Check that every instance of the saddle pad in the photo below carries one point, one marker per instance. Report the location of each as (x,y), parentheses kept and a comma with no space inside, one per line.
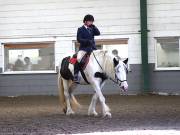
(64,71)
(83,63)
(73,60)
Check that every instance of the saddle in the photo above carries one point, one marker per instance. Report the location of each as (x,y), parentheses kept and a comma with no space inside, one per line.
(83,63)
(66,73)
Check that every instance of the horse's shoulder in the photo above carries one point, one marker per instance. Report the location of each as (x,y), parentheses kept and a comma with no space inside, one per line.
(101,75)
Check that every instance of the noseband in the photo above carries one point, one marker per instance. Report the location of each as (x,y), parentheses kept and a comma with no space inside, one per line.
(117,80)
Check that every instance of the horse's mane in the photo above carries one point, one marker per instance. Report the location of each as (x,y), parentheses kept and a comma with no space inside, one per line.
(105,58)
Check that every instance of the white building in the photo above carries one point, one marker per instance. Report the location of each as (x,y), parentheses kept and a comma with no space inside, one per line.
(45,31)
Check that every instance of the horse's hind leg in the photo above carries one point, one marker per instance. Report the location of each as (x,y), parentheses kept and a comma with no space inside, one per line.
(92,107)
(74,103)
(67,97)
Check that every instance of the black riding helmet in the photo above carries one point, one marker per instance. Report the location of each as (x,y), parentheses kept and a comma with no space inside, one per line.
(88,17)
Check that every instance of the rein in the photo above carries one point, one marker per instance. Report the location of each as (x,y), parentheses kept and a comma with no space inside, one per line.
(97,61)
(115,81)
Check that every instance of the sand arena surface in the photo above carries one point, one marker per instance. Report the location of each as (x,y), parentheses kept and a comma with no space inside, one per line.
(42,115)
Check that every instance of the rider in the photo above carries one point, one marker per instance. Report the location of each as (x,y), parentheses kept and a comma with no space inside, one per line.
(85,36)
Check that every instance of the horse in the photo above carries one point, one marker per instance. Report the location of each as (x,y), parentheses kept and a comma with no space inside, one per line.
(101,66)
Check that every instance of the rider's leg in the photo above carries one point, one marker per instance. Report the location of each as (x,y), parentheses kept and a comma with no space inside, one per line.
(80,55)
(76,72)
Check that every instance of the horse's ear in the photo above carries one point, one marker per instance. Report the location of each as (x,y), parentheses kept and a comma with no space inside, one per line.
(126,61)
(116,62)
(106,51)
(103,51)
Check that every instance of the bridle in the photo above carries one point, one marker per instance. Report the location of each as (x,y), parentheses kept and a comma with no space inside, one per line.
(116,80)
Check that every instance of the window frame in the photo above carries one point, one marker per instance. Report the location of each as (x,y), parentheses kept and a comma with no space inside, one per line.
(156,57)
(26,72)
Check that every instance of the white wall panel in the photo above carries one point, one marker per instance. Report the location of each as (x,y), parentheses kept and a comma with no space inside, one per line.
(59,17)
(163,21)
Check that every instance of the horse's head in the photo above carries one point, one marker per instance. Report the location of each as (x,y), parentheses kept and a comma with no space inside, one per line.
(121,70)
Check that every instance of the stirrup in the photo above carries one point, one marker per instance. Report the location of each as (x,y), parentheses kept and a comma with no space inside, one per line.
(76,80)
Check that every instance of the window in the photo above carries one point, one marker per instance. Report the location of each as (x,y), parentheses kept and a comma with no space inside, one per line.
(167,50)
(116,46)
(29,57)
(120,50)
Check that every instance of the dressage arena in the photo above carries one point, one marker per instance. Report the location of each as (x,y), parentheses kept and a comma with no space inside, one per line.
(131,115)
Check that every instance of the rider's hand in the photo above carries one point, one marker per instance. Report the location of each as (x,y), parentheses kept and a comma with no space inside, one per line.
(92,26)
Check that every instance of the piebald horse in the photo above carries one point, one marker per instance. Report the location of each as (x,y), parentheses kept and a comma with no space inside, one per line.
(102,65)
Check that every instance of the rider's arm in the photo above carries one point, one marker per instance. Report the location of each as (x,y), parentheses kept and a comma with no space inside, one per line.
(96,31)
(81,40)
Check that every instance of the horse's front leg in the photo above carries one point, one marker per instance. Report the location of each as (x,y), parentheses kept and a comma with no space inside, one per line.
(92,107)
(105,108)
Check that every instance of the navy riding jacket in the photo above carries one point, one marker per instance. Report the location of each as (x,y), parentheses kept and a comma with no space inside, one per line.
(85,36)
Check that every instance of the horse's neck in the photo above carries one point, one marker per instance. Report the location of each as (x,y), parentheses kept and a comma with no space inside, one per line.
(108,66)
(106,62)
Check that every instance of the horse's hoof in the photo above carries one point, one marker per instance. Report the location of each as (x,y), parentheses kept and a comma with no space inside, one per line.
(64,110)
(95,114)
(108,115)
(69,113)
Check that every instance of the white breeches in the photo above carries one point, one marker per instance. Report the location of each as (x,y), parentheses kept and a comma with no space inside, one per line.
(80,55)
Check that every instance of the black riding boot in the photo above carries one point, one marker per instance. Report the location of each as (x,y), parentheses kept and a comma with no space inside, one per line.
(76,73)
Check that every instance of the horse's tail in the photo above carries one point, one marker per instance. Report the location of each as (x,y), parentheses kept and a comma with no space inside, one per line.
(61,95)
(74,103)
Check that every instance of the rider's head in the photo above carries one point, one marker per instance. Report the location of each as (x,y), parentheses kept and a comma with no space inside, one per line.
(88,20)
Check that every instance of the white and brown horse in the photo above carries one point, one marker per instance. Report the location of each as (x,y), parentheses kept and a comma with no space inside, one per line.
(102,65)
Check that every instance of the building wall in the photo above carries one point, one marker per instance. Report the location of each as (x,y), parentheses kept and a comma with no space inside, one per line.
(40,18)
(58,20)
(28,84)
(163,21)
